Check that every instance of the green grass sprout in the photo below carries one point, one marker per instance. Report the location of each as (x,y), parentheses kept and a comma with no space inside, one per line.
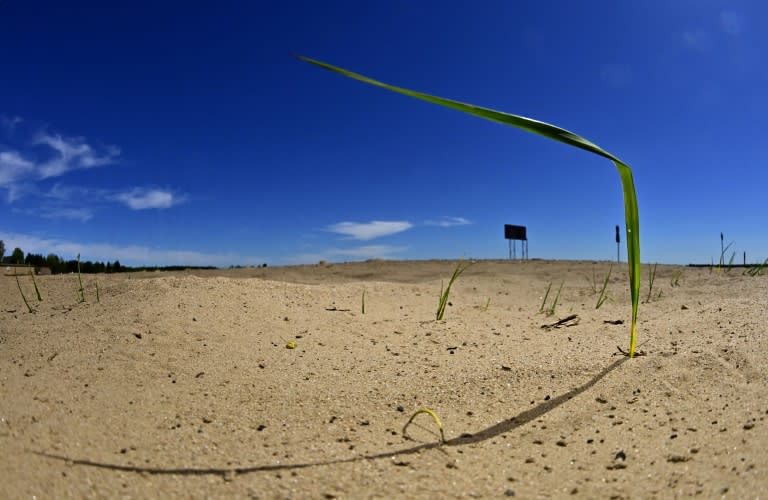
(593,283)
(546,294)
(757,270)
(431,414)
(551,309)
(81,291)
(444,292)
(651,279)
(554,133)
(487,304)
(34,282)
(603,295)
(729,267)
(676,276)
(724,249)
(29,308)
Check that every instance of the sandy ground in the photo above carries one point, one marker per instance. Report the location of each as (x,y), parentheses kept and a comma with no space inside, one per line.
(181,385)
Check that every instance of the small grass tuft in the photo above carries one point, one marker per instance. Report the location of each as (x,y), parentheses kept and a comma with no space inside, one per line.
(676,276)
(362,305)
(603,294)
(550,311)
(723,250)
(651,279)
(757,270)
(461,266)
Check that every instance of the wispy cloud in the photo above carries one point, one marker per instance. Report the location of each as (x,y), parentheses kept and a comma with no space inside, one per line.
(59,155)
(14,168)
(142,199)
(27,172)
(133,255)
(369,230)
(47,212)
(354,253)
(447,221)
(72,154)
(9,123)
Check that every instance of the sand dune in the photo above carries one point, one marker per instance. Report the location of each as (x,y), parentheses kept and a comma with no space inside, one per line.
(180,385)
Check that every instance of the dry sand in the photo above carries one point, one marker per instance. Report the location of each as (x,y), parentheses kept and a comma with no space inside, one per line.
(180,385)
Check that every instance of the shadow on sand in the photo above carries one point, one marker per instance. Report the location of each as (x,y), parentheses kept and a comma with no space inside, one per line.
(465,439)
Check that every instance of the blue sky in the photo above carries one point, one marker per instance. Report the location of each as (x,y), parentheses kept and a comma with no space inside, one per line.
(168,132)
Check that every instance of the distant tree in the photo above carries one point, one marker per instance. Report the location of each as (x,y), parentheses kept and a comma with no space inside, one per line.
(53,262)
(117,267)
(33,259)
(17,257)
(2,250)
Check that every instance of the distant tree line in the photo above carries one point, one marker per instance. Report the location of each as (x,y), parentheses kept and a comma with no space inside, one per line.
(59,265)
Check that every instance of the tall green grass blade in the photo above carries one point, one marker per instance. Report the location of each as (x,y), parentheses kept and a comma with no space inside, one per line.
(557,134)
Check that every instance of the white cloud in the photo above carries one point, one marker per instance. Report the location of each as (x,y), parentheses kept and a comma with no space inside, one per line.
(370,230)
(447,221)
(134,255)
(142,199)
(14,167)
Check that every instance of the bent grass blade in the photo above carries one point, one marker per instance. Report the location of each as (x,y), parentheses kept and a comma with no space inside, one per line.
(431,414)
(29,308)
(556,134)
(34,282)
